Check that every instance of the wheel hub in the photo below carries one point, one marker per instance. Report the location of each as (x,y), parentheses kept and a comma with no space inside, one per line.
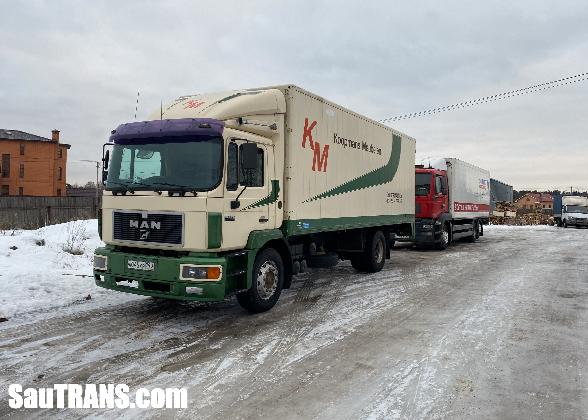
(267,280)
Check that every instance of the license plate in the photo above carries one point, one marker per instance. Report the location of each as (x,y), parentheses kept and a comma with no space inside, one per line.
(141,265)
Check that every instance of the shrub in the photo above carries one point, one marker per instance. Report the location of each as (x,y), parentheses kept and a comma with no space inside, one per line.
(76,235)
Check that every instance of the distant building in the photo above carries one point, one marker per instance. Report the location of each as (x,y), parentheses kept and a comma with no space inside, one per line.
(32,165)
(531,201)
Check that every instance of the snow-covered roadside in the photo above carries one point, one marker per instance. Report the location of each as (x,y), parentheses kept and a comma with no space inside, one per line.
(526,227)
(37,273)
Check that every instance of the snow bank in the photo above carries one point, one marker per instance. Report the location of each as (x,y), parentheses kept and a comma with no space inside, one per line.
(526,227)
(39,268)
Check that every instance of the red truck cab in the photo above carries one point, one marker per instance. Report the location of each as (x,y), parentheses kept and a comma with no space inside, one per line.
(432,198)
(431,206)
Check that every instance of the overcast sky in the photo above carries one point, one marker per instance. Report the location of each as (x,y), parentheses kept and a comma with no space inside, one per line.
(77,65)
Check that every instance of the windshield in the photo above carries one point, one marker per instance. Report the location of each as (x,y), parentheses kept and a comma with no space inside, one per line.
(169,163)
(423,184)
(577,209)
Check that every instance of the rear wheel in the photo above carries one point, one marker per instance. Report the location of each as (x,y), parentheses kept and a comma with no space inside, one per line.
(375,253)
(445,238)
(475,232)
(267,282)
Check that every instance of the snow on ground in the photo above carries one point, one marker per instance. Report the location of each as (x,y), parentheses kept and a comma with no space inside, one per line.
(48,268)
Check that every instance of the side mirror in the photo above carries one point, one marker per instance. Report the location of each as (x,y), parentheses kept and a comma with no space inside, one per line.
(249,156)
(105,160)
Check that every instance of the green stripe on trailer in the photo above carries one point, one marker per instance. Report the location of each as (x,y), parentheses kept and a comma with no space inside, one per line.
(306,226)
(379,176)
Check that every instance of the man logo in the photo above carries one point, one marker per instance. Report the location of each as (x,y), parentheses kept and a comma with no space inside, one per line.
(145,224)
(144,234)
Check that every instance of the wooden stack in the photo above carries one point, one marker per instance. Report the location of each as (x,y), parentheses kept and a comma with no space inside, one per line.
(504,214)
(536,217)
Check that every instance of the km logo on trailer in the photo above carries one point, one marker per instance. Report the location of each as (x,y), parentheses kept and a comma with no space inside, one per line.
(318,159)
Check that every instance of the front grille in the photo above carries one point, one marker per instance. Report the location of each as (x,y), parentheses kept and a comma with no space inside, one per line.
(156,287)
(160,228)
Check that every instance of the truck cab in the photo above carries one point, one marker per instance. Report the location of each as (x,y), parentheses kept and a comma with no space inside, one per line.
(431,205)
(452,201)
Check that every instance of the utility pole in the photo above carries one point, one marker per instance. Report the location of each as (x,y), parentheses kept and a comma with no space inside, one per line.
(98,163)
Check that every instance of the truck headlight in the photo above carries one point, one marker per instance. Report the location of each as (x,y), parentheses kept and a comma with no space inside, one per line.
(200,272)
(100,262)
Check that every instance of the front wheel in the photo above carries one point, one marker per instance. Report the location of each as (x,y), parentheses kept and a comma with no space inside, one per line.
(444,240)
(266,283)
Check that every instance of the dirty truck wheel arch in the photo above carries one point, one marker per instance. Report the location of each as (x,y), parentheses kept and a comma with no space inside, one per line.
(272,238)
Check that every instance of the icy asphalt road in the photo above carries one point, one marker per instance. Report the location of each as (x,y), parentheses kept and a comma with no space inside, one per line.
(496,329)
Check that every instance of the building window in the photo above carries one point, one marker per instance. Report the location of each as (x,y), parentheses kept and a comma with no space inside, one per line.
(20,191)
(6,166)
(59,192)
(59,152)
(59,174)
(21,170)
(5,190)
(22,149)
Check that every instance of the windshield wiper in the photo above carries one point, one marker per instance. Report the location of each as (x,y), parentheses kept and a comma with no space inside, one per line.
(125,187)
(176,187)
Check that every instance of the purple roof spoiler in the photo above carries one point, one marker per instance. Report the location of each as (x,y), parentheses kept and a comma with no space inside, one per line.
(201,127)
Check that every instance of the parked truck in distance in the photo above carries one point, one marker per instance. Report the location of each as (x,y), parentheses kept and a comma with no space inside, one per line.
(235,192)
(452,201)
(570,210)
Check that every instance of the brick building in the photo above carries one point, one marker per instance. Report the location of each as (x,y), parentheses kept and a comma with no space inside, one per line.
(531,201)
(32,165)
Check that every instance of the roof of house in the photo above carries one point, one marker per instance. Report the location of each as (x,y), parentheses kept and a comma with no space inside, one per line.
(540,197)
(21,135)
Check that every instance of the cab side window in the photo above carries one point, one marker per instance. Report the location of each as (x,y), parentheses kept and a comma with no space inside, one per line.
(438,188)
(257,179)
(232,167)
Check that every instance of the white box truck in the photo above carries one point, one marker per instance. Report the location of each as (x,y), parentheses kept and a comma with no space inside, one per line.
(570,210)
(236,192)
(452,201)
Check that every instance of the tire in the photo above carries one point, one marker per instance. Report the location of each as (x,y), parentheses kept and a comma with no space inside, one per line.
(323,261)
(374,256)
(475,233)
(267,282)
(445,238)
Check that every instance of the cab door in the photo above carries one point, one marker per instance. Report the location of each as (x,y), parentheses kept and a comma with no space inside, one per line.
(245,206)
(441,196)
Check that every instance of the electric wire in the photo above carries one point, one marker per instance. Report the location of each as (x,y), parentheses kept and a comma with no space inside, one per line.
(491,98)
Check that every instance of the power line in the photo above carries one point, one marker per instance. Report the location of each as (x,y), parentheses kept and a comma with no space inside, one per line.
(491,98)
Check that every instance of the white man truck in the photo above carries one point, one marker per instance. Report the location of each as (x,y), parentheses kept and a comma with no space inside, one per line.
(233,192)
(452,201)
(570,210)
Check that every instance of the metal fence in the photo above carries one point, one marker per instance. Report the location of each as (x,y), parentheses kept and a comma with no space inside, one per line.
(36,212)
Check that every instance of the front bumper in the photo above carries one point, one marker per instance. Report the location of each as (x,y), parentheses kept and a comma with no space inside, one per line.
(427,231)
(577,222)
(164,280)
